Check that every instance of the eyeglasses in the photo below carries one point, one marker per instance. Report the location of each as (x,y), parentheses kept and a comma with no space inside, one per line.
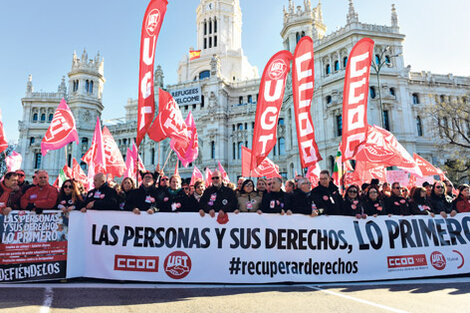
(164,179)
(186,188)
(372,192)
(215,177)
(439,187)
(20,175)
(67,186)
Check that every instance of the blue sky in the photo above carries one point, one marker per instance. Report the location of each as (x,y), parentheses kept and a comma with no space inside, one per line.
(39,37)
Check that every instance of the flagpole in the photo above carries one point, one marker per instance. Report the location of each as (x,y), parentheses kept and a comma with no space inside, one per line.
(158,154)
(167,158)
(65,150)
(137,166)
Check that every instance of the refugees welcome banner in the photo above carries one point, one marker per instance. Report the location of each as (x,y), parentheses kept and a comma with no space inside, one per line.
(252,248)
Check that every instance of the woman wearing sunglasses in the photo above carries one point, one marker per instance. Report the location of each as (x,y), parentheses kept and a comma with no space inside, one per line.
(372,203)
(351,203)
(69,197)
(439,201)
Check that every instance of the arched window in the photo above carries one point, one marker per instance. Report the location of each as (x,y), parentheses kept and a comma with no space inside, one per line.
(202,101)
(372,92)
(215,41)
(204,75)
(328,69)
(419,126)
(280,121)
(210,26)
(339,125)
(91,86)
(205,27)
(215,24)
(35,117)
(87,85)
(303,34)
(239,150)
(234,151)
(386,120)
(250,99)
(336,65)
(331,161)
(345,62)
(443,98)
(212,150)
(377,59)
(43,117)
(205,43)
(32,140)
(282,145)
(392,92)
(240,126)
(387,59)
(297,37)
(210,42)
(240,100)
(51,116)
(37,160)
(328,99)
(152,155)
(415,97)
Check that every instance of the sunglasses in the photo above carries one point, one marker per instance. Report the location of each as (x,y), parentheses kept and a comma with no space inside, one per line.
(439,187)
(163,179)
(215,177)
(186,188)
(20,175)
(67,187)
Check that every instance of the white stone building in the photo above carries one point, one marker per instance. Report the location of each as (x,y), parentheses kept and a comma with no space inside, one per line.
(227,91)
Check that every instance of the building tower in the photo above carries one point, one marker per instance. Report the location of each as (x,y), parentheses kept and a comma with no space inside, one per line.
(219,32)
(86,83)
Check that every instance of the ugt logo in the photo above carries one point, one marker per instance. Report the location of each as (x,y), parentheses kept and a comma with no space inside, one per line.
(177,265)
(438,260)
(152,22)
(277,70)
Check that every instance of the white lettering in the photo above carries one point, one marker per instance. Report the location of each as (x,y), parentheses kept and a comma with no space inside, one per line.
(306,127)
(277,91)
(352,91)
(268,122)
(298,64)
(264,141)
(355,72)
(356,117)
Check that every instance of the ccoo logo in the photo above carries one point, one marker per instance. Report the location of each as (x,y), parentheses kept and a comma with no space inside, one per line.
(177,265)
(438,260)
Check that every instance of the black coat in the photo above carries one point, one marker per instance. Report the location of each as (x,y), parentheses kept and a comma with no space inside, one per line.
(351,207)
(420,207)
(105,198)
(180,202)
(217,199)
(142,199)
(374,207)
(273,202)
(301,202)
(67,201)
(397,205)
(328,200)
(440,203)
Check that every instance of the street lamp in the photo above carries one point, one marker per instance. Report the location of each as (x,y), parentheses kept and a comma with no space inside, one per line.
(379,62)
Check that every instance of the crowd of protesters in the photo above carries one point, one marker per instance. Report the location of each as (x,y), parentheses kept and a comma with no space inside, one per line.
(160,193)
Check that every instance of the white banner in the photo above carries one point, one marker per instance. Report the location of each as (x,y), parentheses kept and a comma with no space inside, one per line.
(187,96)
(183,247)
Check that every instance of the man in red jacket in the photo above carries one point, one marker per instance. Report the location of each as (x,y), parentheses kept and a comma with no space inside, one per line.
(10,193)
(40,197)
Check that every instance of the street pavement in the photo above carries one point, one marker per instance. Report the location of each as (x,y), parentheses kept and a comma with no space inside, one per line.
(430,295)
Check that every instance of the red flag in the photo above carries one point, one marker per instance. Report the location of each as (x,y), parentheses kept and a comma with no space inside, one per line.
(383,149)
(224,174)
(114,162)
(266,168)
(3,141)
(208,174)
(313,174)
(169,122)
(78,174)
(140,164)
(194,54)
(196,175)
(302,91)
(271,94)
(151,25)
(356,90)
(68,171)
(426,168)
(190,153)
(95,156)
(61,131)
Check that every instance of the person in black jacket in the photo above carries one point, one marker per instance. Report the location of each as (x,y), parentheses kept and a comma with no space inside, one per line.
(326,195)
(351,205)
(179,200)
(396,204)
(372,205)
(419,205)
(102,197)
(218,198)
(143,198)
(301,200)
(69,197)
(275,200)
(439,201)
(123,193)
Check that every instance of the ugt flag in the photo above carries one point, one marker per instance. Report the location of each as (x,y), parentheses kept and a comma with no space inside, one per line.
(61,131)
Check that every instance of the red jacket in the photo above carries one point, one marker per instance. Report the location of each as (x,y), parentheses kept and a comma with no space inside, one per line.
(462,205)
(42,197)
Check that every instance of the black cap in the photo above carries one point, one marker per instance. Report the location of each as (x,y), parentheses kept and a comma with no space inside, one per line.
(374,181)
(425,184)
